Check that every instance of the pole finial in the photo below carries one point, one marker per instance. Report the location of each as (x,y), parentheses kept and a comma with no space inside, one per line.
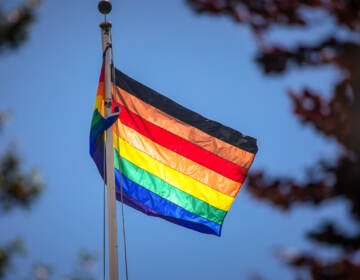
(104,7)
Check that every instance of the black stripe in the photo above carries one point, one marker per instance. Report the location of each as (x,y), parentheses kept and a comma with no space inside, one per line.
(174,109)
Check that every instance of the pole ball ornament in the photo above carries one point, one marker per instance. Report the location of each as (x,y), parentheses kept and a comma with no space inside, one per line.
(104,7)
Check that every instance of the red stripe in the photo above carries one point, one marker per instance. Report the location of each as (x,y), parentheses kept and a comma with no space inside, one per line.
(182,146)
(102,74)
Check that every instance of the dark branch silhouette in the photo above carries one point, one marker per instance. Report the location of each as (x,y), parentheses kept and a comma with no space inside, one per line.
(18,188)
(336,117)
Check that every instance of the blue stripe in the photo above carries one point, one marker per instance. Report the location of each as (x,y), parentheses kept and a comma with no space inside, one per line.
(154,205)
(142,199)
(97,143)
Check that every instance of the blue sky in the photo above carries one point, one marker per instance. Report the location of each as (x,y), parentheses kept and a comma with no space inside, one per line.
(204,63)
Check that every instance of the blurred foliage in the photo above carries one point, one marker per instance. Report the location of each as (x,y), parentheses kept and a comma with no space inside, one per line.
(85,266)
(41,272)
(336,117)
(2,120)
(11,249)
(20,189)
(17,187)
(14,25)
(262,14)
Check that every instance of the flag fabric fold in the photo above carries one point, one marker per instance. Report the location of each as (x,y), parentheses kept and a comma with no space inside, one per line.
(170,161)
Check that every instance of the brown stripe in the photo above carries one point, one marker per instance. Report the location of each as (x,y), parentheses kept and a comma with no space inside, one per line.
(185,115)
(191,134)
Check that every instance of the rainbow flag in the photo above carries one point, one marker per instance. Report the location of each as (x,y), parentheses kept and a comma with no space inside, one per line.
(171,162)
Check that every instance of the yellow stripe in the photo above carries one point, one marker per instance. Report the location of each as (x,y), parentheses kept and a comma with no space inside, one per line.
(99,104)
(173,177)
(176,161)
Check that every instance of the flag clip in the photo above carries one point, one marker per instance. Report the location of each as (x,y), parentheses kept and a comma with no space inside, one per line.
(107,104)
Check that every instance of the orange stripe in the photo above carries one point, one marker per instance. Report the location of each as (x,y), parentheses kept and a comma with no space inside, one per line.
(176,161)
(191,134)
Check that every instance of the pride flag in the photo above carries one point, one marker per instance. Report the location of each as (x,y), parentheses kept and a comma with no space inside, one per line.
(171,162)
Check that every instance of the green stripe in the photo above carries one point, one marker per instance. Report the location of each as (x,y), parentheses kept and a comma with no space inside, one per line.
(95,118)
(166,191)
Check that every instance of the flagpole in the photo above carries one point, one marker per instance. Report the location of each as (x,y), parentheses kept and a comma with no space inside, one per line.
(105,8)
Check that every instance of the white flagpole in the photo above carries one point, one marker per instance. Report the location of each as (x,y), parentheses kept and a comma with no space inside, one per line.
(105,8)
